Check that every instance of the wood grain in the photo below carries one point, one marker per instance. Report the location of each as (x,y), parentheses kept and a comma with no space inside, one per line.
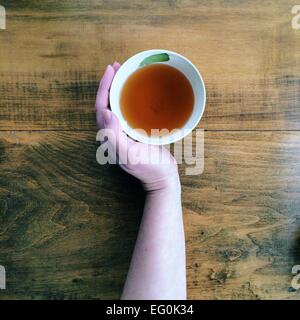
(68,225)
(242,216)
(53,53)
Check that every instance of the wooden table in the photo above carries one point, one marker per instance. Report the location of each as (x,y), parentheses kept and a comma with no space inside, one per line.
(68,225)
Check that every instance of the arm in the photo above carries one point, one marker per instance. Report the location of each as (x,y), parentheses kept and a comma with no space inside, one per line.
(157,269)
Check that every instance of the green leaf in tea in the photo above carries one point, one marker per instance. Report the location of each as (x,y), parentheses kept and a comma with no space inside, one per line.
(160,57)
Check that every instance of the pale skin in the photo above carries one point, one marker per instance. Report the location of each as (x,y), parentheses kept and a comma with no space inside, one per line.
(157,269)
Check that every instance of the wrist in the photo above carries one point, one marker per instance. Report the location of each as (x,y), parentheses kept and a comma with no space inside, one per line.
(166,184)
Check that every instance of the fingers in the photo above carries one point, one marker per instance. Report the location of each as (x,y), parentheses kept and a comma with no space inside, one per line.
(120,142)
(116,65)
(103,91)
(107,78)
(102,99)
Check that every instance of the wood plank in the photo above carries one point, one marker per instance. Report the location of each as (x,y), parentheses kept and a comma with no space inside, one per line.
(53,53)
(68,225)
(242,216)
(62,233)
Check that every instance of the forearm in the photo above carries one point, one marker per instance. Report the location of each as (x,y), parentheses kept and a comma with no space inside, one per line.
(157,269)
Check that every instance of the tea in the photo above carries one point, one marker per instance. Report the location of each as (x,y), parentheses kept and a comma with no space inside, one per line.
(157,96)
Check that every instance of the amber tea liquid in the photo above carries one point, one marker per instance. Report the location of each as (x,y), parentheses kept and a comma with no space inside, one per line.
(157,96)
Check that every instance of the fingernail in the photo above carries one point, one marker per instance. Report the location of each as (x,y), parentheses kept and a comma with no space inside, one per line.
(106,114)
(107,67)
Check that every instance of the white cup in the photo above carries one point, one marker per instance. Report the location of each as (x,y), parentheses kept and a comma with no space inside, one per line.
(172,59)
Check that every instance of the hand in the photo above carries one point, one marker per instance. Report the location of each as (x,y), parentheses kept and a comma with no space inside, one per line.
(133,156)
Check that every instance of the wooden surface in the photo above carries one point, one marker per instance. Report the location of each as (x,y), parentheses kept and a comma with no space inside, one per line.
(68,225)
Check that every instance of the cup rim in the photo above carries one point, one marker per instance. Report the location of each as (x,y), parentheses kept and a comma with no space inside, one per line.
(155,140)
